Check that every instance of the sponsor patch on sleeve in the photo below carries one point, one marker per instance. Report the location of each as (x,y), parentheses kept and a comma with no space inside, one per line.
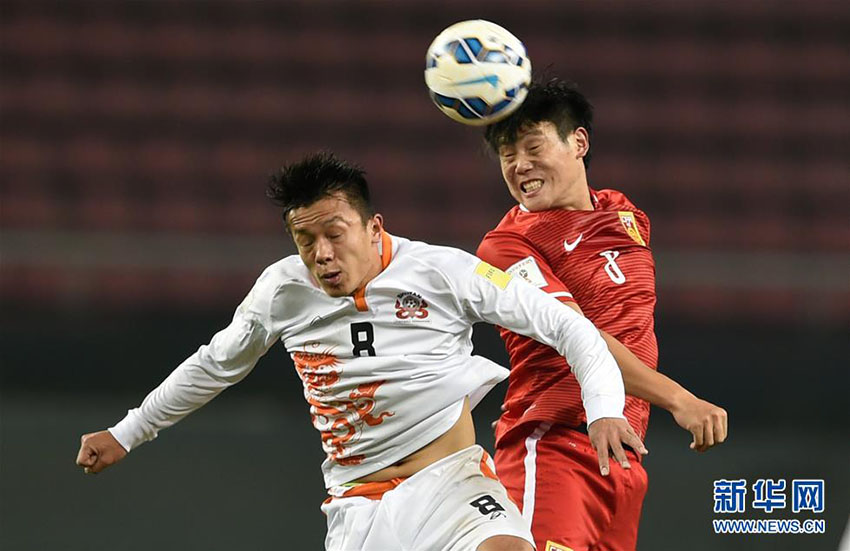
(496,276)
(528,270)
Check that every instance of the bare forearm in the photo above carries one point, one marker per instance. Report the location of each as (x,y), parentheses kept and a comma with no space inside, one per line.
(707,422)
(644,382)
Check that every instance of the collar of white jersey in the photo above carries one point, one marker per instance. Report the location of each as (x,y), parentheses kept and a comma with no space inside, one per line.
(594,200)
(385,249)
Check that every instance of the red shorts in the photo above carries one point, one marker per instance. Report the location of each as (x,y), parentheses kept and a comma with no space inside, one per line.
(552,473)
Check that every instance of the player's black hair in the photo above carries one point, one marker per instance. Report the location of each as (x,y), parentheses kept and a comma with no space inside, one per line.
(556,101)
(318,176)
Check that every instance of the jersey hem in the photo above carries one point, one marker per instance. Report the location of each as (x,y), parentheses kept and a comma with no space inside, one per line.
(411,446)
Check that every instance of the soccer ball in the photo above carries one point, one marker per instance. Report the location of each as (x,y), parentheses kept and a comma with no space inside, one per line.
(477,72)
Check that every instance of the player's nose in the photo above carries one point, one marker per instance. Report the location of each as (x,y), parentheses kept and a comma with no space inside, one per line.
(522,164)
(324,251)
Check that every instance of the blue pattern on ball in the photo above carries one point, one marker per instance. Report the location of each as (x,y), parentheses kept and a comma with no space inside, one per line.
(474,45)
(477,104)
(465,112)
(499,106)
(461,55)
(445,101)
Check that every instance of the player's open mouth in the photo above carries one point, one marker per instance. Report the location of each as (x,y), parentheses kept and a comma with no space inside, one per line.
(531,186)
(332,277)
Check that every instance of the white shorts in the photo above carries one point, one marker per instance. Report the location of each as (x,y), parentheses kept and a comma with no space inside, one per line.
(451,505)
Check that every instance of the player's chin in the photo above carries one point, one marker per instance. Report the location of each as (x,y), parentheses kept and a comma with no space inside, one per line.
(535,203)
(336,291)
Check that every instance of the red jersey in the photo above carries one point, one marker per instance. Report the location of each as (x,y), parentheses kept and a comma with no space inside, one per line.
(599,259)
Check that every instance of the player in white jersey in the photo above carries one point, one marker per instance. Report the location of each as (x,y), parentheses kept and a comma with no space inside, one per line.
(379,329)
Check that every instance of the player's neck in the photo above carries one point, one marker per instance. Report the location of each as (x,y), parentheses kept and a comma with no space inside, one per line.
(576,198)
(375,268)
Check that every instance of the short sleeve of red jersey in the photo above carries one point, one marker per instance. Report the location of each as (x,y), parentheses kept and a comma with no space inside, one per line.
(513,254)
(615,200)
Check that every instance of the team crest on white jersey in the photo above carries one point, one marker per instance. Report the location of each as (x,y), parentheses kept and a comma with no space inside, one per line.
(410,306)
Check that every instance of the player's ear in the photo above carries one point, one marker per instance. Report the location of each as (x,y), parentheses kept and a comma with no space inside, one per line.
(582,141)
(376,227)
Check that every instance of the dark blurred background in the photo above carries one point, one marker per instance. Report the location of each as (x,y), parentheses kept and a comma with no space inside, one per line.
(135,142)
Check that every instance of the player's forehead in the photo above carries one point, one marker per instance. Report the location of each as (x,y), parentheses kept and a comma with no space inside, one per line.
(333,209)
(531,131)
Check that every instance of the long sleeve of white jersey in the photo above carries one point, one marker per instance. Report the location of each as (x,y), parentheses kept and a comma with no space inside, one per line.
(495,297)
(227,359)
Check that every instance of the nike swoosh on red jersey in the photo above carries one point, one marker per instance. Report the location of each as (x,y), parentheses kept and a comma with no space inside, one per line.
(570,246)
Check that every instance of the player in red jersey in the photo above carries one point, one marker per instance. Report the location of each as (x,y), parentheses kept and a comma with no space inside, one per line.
(590,250)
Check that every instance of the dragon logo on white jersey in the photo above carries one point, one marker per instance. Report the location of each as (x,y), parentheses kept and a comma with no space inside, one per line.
(339,420)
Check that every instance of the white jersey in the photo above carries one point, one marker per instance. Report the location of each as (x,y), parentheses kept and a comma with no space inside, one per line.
(385,371)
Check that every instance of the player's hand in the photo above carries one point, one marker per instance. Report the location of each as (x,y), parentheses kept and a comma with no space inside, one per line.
(496,422)
(99,450)
(706,422)
(610,433)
